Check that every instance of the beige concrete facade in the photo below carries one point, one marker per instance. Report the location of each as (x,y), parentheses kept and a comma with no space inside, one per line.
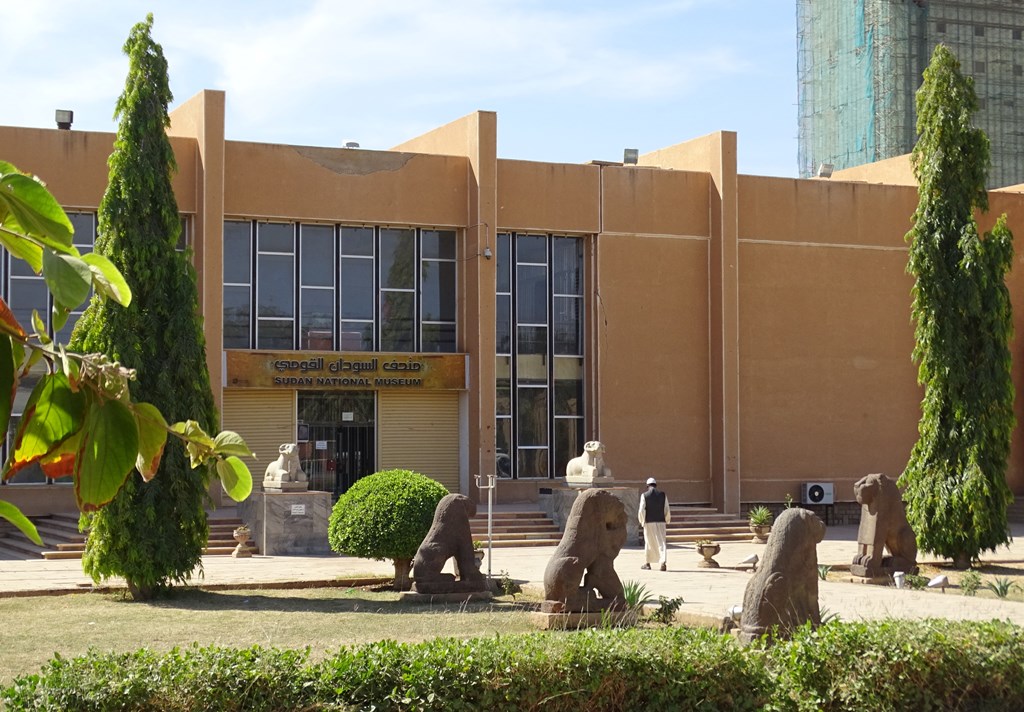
(741,334)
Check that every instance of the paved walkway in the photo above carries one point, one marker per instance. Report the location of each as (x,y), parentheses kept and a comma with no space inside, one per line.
(707,593)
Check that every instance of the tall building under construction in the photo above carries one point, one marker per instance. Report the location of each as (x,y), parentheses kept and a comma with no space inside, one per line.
(860,63)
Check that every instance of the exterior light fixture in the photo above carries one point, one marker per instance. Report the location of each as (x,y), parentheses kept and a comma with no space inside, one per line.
(630,156)
(825,170)
(64,117)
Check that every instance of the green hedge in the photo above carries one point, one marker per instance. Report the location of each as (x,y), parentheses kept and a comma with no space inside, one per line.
(890,665)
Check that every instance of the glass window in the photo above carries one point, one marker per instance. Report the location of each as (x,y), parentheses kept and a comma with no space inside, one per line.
(438,338)
(356,288)
(357,336)
(317,251)
(438,244)
(236,317)
(504,266)
(316,324)
(276,237)
(539,322)
(568,325)
(438,290)
(275,279)
(503,325)
(532,416)
(274,334)
(397,321)
(532,248)
(397,259)
(532,294)
(357,241)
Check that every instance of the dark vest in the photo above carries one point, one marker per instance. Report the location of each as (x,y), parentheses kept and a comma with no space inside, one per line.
(654,505)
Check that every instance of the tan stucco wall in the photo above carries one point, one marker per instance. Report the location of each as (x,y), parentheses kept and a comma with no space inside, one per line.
(548,197)
(652,347)
(306,183)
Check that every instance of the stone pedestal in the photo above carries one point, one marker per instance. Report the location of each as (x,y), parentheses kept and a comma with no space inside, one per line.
(560,501)
(288,522)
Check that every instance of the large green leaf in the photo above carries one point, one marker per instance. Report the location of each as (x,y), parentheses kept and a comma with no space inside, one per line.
(53,413)
(23,249)
(107,280)
(35,210)
(12,514)
(152,438)
(106,454)
(229,442)
(68,277)
(60,462)
(8,380)
(235,478)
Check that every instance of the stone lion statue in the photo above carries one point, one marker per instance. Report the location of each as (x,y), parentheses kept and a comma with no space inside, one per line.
(285,469)
(449,536)
(589,466)
(883,525)
(783,594)
(594,534)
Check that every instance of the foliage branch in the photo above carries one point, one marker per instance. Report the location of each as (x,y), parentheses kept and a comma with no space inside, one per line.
(955,481)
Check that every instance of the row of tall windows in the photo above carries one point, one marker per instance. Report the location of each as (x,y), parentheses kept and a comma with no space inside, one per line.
(338,287)
(539,346)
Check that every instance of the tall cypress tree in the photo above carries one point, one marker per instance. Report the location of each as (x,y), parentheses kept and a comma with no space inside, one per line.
(153,532)
(955,482)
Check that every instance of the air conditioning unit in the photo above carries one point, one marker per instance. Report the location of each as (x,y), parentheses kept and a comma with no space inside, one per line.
(817,493)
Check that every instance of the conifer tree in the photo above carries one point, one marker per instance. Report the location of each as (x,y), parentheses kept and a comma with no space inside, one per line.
(955,481)
(153,532)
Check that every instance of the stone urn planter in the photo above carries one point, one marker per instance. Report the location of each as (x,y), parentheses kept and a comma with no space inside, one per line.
(241,535)
(708,549)
(478,554)
(760,519)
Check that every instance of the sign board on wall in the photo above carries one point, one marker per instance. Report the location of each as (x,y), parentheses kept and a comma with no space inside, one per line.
(345,371)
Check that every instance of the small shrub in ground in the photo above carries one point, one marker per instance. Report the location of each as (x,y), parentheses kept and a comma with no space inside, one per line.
(507,585)
(385,515)
(666,611)
(1001,586)
(970,582)
(636,594)
(823,570)
(915,582)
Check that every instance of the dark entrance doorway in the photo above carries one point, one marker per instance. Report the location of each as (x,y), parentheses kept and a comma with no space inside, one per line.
(341,440)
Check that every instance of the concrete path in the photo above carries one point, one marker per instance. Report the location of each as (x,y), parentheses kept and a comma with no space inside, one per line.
(707,593)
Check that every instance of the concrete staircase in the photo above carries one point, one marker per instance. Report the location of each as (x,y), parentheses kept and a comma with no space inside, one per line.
(515,528)
(62,540)
(529,527)
(691,522)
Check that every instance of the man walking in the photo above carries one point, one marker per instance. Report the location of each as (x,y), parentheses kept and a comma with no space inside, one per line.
(654,514)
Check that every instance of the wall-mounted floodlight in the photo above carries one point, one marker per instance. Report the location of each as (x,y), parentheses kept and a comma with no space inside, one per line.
(630,156)
(64,117)
(825,170)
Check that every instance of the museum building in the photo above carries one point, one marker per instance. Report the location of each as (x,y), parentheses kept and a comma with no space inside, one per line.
(436,308)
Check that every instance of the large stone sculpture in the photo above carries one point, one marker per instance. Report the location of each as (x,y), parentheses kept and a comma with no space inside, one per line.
(588,468)
(883,525)
(593,536)
(783,594)
(449,537)
(285,473)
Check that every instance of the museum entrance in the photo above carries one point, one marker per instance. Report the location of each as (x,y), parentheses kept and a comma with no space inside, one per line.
(337,438)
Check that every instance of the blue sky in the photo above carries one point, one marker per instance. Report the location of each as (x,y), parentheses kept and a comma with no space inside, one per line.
(570,81)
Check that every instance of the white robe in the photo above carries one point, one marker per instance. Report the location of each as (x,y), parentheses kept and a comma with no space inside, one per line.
(655,545)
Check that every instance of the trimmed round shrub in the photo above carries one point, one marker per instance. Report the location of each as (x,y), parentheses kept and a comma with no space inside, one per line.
(385,515)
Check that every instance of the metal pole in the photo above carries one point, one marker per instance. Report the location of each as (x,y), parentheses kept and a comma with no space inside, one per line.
(492,483)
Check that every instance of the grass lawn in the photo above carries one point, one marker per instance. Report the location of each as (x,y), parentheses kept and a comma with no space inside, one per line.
(324,619)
